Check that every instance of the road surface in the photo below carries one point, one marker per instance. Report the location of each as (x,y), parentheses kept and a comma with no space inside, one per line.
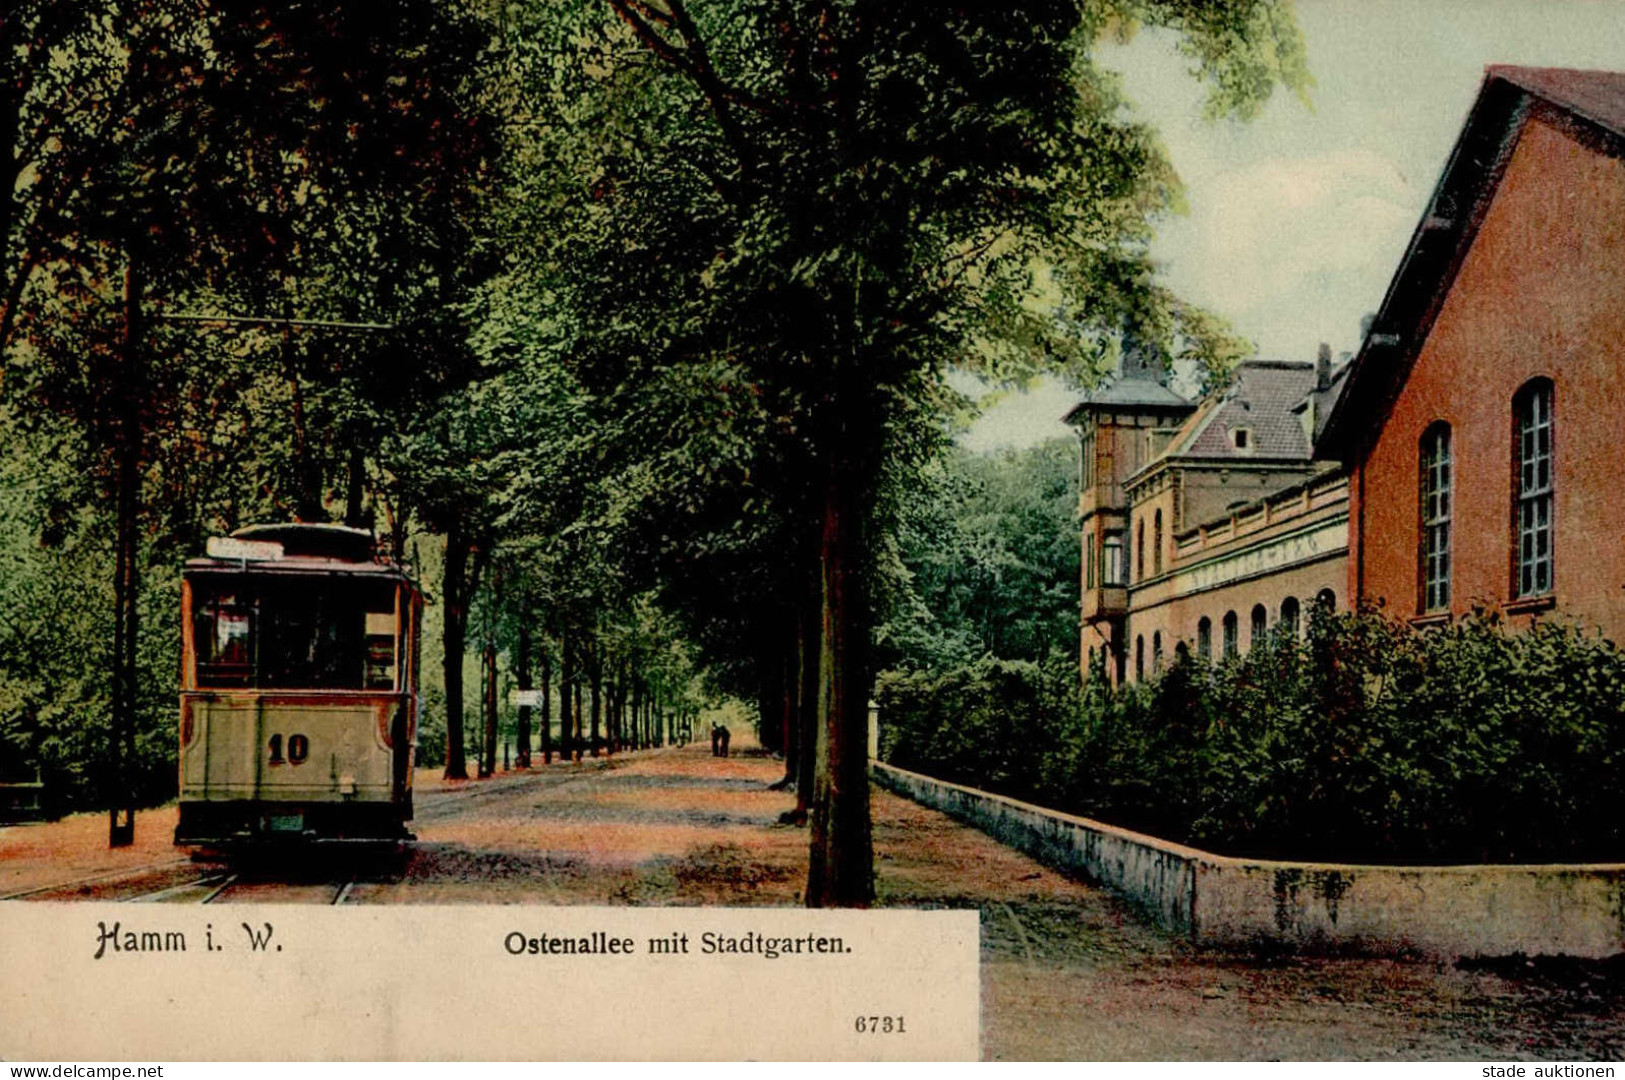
(1068,971)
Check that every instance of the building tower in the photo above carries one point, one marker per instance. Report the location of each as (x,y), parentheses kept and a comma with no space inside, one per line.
(1122,425)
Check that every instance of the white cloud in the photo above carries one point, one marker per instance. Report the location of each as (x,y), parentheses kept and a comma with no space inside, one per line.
(1299,217)
(1264,238)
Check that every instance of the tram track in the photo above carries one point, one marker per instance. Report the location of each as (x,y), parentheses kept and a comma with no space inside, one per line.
(224,885)
(96,879)
(206,889)
(217,888)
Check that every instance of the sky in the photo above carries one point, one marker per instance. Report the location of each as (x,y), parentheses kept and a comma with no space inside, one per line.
(1298,219)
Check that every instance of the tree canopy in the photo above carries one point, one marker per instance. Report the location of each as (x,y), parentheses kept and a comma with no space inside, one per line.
(652,304)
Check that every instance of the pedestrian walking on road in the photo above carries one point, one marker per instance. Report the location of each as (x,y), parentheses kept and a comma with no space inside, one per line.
(724,736)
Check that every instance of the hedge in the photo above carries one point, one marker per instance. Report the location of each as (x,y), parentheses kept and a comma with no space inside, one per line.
(1366,741)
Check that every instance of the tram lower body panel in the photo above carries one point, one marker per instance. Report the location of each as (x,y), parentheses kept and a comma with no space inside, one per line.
(280,766)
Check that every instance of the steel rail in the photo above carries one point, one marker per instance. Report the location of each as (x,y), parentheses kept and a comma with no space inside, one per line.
(111,874)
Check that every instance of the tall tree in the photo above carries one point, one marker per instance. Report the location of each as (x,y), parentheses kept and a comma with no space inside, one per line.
(174,156)
(820,204)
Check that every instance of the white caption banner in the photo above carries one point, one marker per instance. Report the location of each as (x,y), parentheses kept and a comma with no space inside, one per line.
(90,981)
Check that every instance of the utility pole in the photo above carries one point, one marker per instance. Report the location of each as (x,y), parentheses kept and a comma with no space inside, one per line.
(126,567)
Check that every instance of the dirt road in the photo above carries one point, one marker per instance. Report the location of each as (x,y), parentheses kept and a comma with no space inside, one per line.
(1067,972)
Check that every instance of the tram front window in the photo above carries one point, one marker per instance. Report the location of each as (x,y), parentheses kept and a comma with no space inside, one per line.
(292,634)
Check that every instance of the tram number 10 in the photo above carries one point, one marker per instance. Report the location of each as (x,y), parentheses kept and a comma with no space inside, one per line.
(298,749)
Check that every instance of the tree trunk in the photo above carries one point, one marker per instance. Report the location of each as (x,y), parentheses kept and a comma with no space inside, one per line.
(522,679)
(790,710)
(789,671)
(617,705)
(596,666)
(769,699)
(453,591)
(642,715)
(355,488)
(488,698)
(567,677)
(579,728)
(636,707)
(547,703)
(807,695)
(840,871)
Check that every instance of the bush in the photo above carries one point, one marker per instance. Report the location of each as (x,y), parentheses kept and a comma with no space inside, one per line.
(989,723)
(1366,741)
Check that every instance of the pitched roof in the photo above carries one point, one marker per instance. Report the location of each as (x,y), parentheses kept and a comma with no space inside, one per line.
(1598,96)
(1440,242)
(1140,382)
(1261,398)
(1131,392)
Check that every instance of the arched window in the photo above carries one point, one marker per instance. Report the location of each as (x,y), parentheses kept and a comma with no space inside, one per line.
(1260,621)
(1289,617)
(1230,634)
(1204,639)
(1156,544)
(1156,653)
(1326,601)
(1182,653)
(1139,658)
(1433,553)
(1532,473)
(1139,553)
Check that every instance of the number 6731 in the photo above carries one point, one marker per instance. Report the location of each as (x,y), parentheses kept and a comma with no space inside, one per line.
(879,1025)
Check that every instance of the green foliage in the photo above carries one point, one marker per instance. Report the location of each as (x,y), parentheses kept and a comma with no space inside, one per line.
(988,559)
(769,229)
(660,277)
(1365,742)
(55,631)
(992,723)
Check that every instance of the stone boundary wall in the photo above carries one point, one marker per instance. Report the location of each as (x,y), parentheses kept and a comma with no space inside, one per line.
(1574,910)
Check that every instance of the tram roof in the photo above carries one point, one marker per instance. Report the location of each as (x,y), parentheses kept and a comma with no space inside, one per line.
(296,565)
(298,548)
(314,540)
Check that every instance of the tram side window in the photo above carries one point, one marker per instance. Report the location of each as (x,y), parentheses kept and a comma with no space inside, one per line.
(222,633)
(299,635)
(380,673)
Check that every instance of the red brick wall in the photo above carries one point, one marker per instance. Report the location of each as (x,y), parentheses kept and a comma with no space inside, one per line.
(1541,293)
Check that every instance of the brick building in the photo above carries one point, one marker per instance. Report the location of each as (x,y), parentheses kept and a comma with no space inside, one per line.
(1463,458)
(1479,418)
(1204,524)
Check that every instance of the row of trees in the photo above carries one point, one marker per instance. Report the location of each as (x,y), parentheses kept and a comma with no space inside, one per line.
(632,314)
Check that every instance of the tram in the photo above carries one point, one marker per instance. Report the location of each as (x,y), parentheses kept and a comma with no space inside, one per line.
(299,689)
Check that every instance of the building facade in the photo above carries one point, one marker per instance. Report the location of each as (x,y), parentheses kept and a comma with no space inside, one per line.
(1479,414)
(1205,524)
(1463,459)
